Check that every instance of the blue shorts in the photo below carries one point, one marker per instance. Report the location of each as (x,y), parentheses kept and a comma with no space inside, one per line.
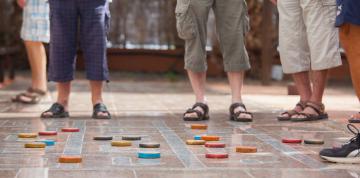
(83,22)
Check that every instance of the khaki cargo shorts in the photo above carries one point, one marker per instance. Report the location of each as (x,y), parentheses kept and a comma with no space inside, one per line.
(232,23)
(308,38)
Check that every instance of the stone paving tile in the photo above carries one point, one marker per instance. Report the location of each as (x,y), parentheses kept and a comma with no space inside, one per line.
(153,110)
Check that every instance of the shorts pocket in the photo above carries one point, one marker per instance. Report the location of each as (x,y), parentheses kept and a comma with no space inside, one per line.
(329,9)
(185,24)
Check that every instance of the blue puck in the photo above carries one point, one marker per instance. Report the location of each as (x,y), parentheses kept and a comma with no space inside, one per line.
(197,137)
(149,155)
(48,142)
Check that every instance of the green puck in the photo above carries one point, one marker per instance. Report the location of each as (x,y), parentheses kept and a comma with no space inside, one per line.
(314,142)
(131,138)
(103,138)
(149,145)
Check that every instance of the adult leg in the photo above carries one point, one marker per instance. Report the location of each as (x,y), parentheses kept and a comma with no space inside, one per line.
(350,40)
(37,59)
(93,31)
(192,17)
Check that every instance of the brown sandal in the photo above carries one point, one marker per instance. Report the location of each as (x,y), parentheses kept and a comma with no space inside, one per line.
(33,94)
(234,116)
(355,118)
(200,115)
(318,108)
(301,104)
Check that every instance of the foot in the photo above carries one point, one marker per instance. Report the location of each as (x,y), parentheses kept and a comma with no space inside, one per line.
(300,106)
(31,96)
(312,111)
(239,113)
(348,153)
(57,110)
(355,118)
(101,112)
(198,112)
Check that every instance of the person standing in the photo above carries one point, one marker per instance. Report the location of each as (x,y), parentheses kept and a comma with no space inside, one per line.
(308,46)
(88,21)
(35,31)
(232,23)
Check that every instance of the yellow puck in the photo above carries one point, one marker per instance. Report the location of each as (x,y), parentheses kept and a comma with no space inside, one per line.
(35,145)
(27,135)
(246,149)
(195,142)
(122,143)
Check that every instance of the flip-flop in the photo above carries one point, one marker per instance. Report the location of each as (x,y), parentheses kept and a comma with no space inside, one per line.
(200,115)
(57,110)
(100,107)
(234,116)
(34,96)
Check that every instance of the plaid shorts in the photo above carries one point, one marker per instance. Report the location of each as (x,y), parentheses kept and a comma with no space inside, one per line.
(73,24)
(36,24)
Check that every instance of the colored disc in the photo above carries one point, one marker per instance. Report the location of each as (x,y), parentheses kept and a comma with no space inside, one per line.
(70,159)
(35,145)
(210,138)
(195,142)
(70,129)
(27,135)
(199,126)
(149,155)
(47,142)
(197,137)
(246,149)
(291,140)
(149,145)
(131,138)
(217,155)
(215,145)
(47,133)
(314,141)
(121,143)
(103,138)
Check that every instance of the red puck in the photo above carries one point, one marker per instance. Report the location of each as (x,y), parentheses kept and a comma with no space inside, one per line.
(217,155)
(70,129)
(215,145)
(290,140)
(47,133)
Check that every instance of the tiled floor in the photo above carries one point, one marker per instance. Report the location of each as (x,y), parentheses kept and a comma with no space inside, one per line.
(153,109)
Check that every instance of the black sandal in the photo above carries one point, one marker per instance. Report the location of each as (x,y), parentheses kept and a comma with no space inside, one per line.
(200,116)
(34,95)
(235,116)
(301,104)
(100,107)
(57,110)
(318,108)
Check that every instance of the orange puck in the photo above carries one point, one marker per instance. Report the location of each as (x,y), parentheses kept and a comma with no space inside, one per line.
(246,149)
(70,129)
(199,126)
(70,159)
(217,155)
(210,138)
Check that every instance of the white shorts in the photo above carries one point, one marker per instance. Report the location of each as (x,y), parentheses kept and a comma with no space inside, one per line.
(308,38)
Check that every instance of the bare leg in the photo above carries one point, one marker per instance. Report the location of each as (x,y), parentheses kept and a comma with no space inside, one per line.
(37,59)
(198,81)
(96,94)
(236,80)
(319,79)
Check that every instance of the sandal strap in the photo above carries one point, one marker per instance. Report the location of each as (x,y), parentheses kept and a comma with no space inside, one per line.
(36,91)
(235,105)
(203,106)
(55,109)
(198,113)
(289,112)
(301,104)
(237,114)
(318,108)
